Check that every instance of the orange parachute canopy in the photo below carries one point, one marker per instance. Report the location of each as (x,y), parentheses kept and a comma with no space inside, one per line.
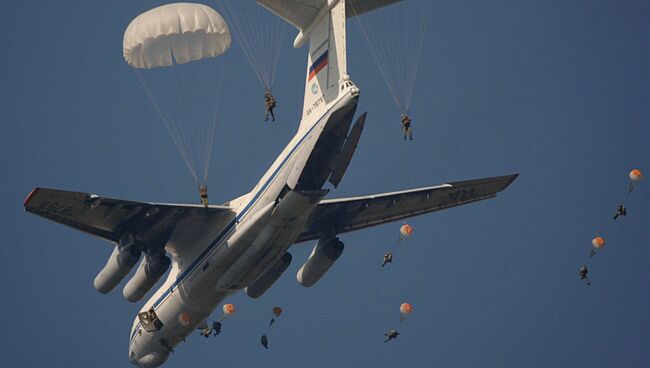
(405,309)
(598,242)
(406,230)
(636,175)
(228,309)
(277,311)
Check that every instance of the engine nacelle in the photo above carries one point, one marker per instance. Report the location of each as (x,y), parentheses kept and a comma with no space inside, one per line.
(262,284)
(325,253)
(118,266)
(149,272)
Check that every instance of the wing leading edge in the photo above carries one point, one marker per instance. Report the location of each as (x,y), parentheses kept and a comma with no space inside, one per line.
(110,218)
(349,214)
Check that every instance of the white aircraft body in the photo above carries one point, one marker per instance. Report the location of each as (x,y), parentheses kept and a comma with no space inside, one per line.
(242,244)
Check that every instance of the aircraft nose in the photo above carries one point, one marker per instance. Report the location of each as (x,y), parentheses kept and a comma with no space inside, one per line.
(150,360)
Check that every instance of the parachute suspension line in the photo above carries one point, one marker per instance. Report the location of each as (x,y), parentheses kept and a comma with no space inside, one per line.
(167,121)
(419,39)
(192,129)
(212,98)
(280,30)
(396,43)
(191,126)
(178,92)
(213,126)
(259,35)
(247,48)
(374,46)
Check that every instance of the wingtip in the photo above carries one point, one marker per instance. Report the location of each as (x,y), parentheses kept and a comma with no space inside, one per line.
(29,196)
(512,178)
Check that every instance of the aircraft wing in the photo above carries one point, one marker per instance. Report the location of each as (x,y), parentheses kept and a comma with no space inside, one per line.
(110,218)
(301,13)
(348,214)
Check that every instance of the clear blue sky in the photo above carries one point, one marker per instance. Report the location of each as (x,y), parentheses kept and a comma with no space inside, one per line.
(557,91)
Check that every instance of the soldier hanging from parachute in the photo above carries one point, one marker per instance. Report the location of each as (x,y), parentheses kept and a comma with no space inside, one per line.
(260,35)
(635,176)
(405,231)
(388,258)
(404,310)
(583,274)
(264,340)
(269,105)
(397,48)
(621,211)
(206,331)
(406,126)
(203,194)
(391,334)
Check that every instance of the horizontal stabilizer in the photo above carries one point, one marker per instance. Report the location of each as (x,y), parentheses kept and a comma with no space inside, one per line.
(301,13)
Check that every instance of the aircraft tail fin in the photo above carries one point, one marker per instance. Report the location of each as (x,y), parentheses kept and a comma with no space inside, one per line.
(322,27)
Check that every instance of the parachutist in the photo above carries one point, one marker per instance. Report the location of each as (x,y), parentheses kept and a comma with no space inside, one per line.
(203,193)
(205,331)
(621,211)
(216,328)
(269,104)
(265,341)
(406,126)
(391,334)
(388,258)
(583,274)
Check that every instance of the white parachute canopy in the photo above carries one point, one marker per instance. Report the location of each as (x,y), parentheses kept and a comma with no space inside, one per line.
(180,33)
(173,50)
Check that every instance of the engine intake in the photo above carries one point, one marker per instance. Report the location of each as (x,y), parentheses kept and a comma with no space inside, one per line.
(325,253)
(149,272)
(119,265)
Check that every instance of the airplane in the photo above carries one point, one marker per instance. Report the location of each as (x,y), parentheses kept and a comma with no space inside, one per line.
(243,244)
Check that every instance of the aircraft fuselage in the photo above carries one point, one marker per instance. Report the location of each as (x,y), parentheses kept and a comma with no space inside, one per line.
(267,222)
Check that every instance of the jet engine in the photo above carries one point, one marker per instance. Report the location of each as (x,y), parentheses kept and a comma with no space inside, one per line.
(259,286)
(325,253)
(118,266)
(149,272)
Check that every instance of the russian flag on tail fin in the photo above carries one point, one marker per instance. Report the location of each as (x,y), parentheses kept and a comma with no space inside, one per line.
(318,65)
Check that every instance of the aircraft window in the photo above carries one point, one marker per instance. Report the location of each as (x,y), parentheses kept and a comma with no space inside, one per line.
(150,321)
